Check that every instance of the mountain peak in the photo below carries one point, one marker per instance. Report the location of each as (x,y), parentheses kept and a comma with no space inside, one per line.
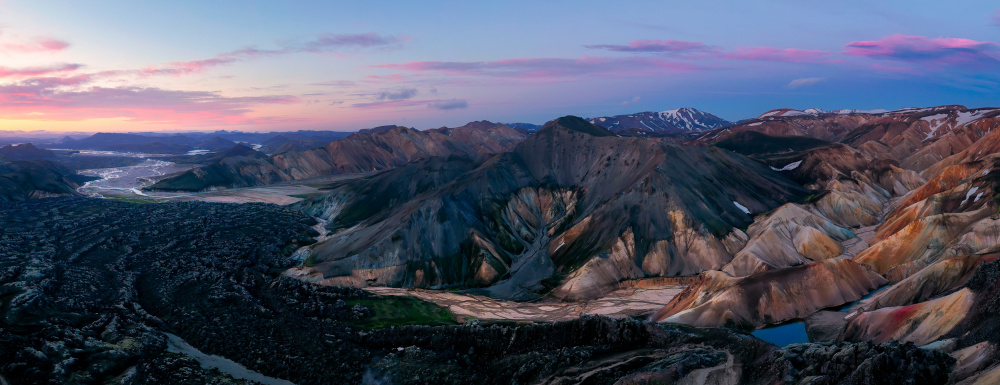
(681,120)
(578,124)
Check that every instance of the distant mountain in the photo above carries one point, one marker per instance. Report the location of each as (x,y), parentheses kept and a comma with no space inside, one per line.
(215,144)
(375,130)
(524,126)
(673,121)
(105,140)
(376,150)
(24,151)
(570,211)
(281,144)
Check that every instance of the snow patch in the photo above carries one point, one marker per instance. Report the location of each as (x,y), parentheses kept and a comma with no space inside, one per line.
(969,194)
(966,117)
(754,124)
(741,207)
(788,167)
(935,121)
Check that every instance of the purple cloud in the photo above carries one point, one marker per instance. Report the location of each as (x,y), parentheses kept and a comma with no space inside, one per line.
(655,46)
(788,55)
(547,68)
(43,44)
(332,42)
(443,104)
(400,94)
(452,104)
(803,82)
(64,99)
(321,44)
(336,83)
(931,51)
(7,72)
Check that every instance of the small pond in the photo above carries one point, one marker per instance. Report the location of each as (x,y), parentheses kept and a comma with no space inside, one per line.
(784,334)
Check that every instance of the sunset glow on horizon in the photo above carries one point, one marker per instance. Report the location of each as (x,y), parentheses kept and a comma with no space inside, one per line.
(276,66)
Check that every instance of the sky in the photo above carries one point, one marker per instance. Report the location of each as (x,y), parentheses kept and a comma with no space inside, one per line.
(345,65)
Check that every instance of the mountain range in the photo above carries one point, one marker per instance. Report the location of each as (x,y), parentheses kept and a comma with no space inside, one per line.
(873,234)
(372,150)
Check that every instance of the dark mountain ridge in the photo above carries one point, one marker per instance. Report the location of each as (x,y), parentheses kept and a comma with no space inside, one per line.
(571,210)
(358,153)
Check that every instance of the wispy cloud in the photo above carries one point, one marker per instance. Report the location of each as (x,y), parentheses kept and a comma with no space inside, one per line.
(336,83)
(398,94)
(634,100)
(334,42)
(452,104)
(803,82)
(929,51)
(788,55)
(67,99)
(55,69)
(996,18)
(676,46)
(325,43)
(41,44)
(443,104)
(547,68)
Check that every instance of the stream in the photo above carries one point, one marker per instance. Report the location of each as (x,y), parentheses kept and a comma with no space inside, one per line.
(127,180)
(176,344)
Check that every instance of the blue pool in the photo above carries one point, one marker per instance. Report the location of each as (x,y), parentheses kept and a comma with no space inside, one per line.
(785,334)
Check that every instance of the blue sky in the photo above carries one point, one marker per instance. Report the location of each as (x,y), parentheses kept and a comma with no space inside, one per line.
(256,65)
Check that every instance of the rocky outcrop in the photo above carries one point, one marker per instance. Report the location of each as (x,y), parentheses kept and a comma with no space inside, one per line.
(939,278)
(771,297)
(789,236)
(920,323)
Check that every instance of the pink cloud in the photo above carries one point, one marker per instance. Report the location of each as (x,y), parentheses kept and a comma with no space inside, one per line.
(441,104)
(324,43)
(654,46)
(996,18)
(789,55)
(44,44)
(64,99)
(931,51)
(547,68)
(7,72)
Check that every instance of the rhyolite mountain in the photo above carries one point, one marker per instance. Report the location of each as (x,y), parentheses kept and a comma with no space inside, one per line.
(570,211)
(681,120)
(369,151)
(902,200)
(908,202)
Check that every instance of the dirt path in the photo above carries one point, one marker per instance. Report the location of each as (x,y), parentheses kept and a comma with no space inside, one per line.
(621,303)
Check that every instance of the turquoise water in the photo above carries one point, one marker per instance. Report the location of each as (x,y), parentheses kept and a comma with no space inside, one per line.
(847,306)
(784,335)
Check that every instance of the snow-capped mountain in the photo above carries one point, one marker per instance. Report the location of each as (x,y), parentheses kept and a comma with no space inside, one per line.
(673,121)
